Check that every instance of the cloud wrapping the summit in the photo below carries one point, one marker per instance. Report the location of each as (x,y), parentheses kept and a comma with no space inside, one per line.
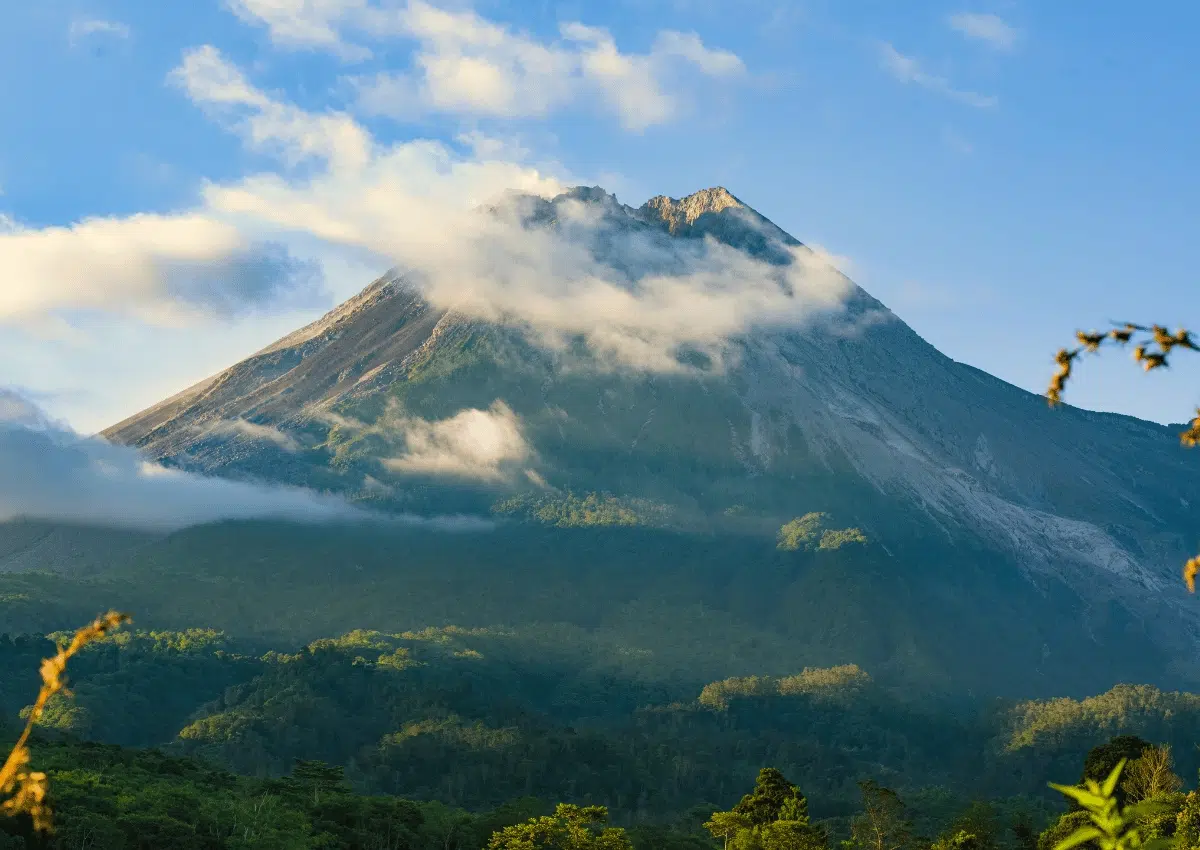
(415,205)
(633,293)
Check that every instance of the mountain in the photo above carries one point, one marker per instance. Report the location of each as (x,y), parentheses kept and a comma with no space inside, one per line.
(961,533)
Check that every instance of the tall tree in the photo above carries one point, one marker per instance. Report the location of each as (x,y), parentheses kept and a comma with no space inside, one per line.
(1101,760)
(772,791)
(883,824)
(569,828)
(1150,775)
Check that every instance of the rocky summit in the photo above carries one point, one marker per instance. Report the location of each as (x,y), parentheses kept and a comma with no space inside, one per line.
(877,502)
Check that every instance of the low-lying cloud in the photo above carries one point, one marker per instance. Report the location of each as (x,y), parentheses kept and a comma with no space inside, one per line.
(485,445)
(48,472)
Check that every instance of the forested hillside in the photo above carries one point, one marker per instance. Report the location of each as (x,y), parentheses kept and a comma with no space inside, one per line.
(194,735)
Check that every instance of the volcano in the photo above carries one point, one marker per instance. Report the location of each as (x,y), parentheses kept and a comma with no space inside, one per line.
(836,486)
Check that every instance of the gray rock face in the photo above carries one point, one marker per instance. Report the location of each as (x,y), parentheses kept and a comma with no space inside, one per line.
(858,416)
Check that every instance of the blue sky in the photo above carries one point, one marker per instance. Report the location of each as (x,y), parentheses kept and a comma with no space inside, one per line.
(996,173)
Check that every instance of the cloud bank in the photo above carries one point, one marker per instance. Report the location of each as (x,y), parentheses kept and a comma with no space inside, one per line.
(158,268)
(48,472)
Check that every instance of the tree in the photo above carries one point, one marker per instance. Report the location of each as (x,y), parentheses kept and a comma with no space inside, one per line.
(960,839)
(979,823)
(569,828)
(1101,760)
(1109,825)
(726,826)
(1187,823)
(1151,775)
(318,776)
(882,824)
(792,835)
(772,791)
(774,816)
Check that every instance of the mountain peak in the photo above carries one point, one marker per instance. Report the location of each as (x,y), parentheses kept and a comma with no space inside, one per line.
(683,212)
(590,194)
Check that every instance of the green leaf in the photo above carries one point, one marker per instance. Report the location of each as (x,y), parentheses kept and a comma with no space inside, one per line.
(1110,784)
(1085,798)
(1079,836)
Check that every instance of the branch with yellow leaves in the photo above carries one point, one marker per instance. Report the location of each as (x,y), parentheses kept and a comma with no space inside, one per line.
(23,790)
(1152,347)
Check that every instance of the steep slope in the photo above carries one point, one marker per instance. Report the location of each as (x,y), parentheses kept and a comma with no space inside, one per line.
(1065,513)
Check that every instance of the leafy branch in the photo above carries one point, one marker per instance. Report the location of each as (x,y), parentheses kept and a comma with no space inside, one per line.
(22,790)
(1152,347)
(1111,828)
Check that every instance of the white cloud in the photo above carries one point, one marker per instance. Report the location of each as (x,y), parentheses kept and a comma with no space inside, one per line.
(81,28)
(466,64)
(51,473)
(907,69)
(990,29)
(477,444)
(306,24)
(280,128)
(160,268)
(18,411)
(636,302)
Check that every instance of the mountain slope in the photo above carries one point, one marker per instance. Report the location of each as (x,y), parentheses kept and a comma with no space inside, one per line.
(1064,513)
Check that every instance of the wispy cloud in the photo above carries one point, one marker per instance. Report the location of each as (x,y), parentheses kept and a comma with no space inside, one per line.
(908,69)
(82,28)
(305,25)
(466,64)
(257,432)
(992,30)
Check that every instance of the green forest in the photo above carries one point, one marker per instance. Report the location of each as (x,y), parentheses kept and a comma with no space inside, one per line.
(454,737)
